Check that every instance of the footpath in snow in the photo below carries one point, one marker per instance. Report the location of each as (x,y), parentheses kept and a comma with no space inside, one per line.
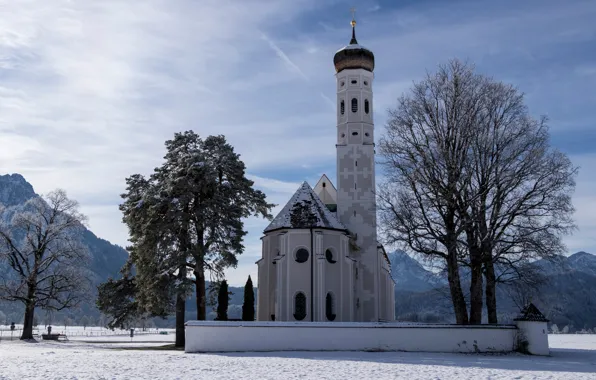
(573,357)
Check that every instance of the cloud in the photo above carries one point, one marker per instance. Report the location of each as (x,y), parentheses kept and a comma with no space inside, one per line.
(90,91)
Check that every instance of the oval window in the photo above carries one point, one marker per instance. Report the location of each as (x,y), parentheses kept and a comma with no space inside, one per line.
(329,256)
(302,255)
(354,133)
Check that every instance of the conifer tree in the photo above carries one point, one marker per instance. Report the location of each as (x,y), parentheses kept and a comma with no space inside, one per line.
(222,301)
(185,220)
(248,307)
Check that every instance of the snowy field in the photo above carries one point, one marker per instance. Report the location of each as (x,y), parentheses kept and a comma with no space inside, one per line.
(573,357)
(80,332)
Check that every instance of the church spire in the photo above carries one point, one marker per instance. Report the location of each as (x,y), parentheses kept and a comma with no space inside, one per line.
(353,23)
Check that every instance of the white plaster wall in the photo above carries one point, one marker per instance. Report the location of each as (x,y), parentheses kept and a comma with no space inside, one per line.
(212,336)
(298,278)
(536,335)
(332,276)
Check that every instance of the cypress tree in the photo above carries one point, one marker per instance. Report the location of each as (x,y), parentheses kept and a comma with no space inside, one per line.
(248,307)
(222,302)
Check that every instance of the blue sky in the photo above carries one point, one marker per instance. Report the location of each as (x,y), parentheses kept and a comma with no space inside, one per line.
(89,91)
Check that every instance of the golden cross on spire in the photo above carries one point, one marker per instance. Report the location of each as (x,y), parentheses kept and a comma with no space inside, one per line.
(353,10)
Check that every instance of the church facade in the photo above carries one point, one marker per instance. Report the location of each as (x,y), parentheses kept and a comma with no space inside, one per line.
(321,260)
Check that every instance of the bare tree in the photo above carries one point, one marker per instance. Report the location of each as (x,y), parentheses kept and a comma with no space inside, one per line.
(517,203)
(472,180)
(41,243)
(424,154)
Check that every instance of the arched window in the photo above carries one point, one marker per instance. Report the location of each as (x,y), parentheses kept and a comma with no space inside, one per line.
(302,255)
(342,107)
(329,256)
(354,105)
(366,106)
(299,306)
(329,306)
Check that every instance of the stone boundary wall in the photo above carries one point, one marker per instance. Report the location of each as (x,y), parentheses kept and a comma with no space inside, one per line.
(214,336)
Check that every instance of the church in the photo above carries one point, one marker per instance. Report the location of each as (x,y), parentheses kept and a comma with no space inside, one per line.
(321,260)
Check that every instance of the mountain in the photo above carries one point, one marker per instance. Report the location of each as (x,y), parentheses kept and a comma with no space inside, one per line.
(15,190)
(583,262)
(567,298)
(410,275)
(107,258)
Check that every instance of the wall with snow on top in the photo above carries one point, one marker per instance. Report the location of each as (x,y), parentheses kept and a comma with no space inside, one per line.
(214,336)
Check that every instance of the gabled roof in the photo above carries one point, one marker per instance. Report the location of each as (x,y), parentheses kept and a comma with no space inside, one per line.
(531,313)
(305,195)
(326,191)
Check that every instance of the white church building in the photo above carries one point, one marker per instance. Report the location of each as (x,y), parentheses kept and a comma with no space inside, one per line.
(321,260)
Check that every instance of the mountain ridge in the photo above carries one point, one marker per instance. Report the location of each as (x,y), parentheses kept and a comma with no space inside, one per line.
(106,258)
(421,294)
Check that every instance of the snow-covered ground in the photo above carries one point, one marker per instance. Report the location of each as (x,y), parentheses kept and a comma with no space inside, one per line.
(92,334)
(573,357)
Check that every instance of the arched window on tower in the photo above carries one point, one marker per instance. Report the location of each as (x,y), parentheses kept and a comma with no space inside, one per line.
(299,306)
(342,107)
(354,105)
(366,106)
(329,306)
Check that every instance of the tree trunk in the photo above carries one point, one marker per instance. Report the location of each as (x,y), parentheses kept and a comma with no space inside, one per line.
(28,322)
(180,308)
(476,292)
(200,290)
(491,292)
(457,295)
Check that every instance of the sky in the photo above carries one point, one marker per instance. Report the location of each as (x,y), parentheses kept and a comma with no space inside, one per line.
(90,90)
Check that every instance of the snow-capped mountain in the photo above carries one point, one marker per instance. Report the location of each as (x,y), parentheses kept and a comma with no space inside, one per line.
(410,275)
(583,261)
(15,190)
(108,258)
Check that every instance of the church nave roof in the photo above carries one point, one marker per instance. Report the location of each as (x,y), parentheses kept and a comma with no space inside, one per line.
(305,201)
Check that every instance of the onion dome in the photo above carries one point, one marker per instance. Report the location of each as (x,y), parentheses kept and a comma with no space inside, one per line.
(354,56)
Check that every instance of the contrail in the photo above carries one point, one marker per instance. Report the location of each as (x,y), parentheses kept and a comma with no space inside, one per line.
(331,103)
(280,53)
(284,57)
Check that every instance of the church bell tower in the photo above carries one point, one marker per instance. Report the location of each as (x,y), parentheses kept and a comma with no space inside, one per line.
(356,204)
